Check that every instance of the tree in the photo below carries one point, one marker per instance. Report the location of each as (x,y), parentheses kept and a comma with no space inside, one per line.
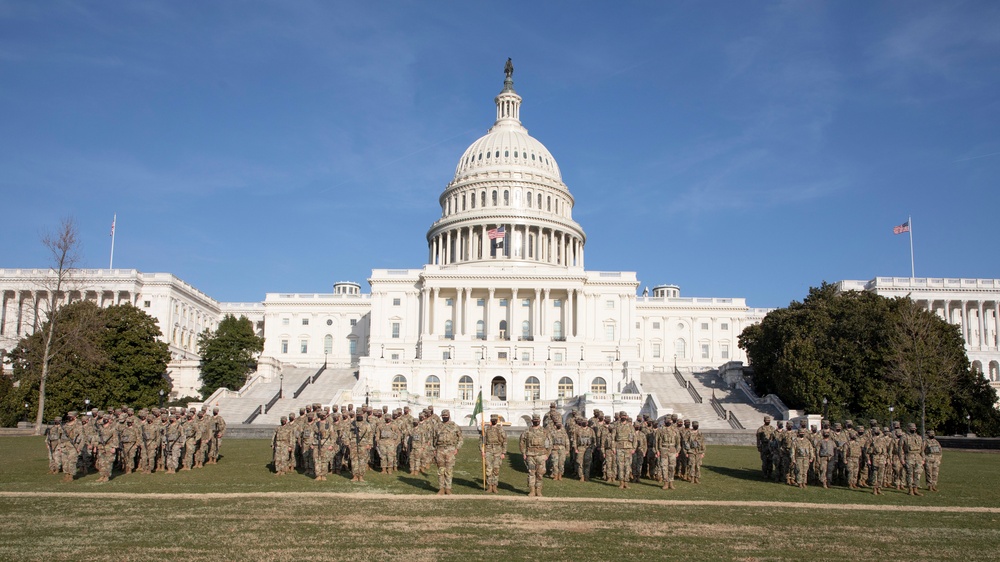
(229,354)
(63,245)
(864,353)
(110,356)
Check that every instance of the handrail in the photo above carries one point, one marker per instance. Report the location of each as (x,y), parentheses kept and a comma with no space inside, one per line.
(319,372)
(718,406)
(734,422)
(274,399)
(253,416)
(680,378)
(302,387)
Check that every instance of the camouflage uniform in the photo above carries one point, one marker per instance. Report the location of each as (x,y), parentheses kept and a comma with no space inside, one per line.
(52,435)
(694,446)
(625,442)
(71,444)
(668,445)
(764,434)
(852,452)
(283,447)
(560,446)
(173,441)
(584,442)
(387,439)
(638,454)
(359,442)
(880,448)
(218,428)
(802,455)
(190,431)
(326,444)
(826,451)
(447,441)
(105,444)
(912,449)
(535,446)
(130,438)
(932,460)
(494,450)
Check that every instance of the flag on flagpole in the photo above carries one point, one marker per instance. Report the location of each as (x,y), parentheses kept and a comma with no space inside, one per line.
(902,228)
(495,233)
(113,221)
(478,409)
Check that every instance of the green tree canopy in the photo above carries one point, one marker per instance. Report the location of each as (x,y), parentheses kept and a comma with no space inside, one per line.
(228,354)
(110,356)
(864,353)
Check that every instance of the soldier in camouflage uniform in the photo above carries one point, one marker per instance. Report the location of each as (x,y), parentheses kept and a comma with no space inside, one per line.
(87,424)
(695,452)
(802,455)
(190,430)
(418,445)
(52,434)
(625,443)
(560,446)
(447,442)
(535,447)
(826,451)
(105,444)
(668,445)
(852,452)
(218,430)
(494,451)
(764,434)
(387,439)
(551,417)
(584,443)
(912,446)
(639,453)
(326,443)
(149,433)
(878,457)
(173,441)
(682,457)
(71,444)
(283,447)
(360,440)
(932,460)
(130,438)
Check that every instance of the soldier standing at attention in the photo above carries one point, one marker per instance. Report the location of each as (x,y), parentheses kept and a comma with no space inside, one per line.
(913,456)
(552,416)
(696,453)
(802,454)
(326,440)
(283,446)
(71,443)
(535,448)
(624,442)
(608,446)
(447,441)
(149,435)
(560,445)
(129,439)
(360,439)
(825,451)
(877,455)
(218,426)
(494,451)
(387,437)
(106,443)
(639,453)
(853,452)
(584,442)
(668,444)
(764,434)
(173,438)
(52,434)
(932,460)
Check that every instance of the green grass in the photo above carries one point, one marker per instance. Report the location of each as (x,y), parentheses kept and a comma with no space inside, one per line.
(420,526)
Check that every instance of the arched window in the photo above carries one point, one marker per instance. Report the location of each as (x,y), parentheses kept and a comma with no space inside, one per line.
(565,388)
(539,201)
(557,330)
(494,198)
(482,199)
(481,329)
(532,389)
(680,348)
(977,367)
(529,199)
(448,329)
(526,329)
(328,344)
(506,197)
(399,383)
(432,388)
(472,200)
(503,330)
(548,203)
(599,386)
(465,388)
(994,371)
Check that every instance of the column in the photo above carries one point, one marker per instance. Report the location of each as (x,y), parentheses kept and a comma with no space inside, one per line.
(425,316)
(535,313)
(515,327)
(488,313)
(981,340)
(570,330)
(543,328)
(433,310)
(465,309)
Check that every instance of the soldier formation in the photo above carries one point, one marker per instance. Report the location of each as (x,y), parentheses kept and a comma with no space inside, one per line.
(857,457)
(128,441)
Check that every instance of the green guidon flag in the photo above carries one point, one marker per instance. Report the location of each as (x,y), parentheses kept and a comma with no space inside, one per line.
(478,409)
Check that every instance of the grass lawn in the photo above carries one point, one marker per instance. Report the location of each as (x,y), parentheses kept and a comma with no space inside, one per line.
(239,510)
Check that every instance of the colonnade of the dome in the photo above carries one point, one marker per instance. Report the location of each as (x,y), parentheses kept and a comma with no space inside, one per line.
(524,242)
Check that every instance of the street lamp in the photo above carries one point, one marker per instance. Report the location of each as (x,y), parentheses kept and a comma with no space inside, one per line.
(281,385)
(161,397)
(25,412)
(86,404)
(383,351)
(825,403)
(891,410)
(968,424)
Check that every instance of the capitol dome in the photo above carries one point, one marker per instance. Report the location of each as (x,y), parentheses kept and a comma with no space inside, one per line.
(507,199)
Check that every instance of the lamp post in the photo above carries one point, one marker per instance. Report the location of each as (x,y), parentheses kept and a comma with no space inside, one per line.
(281,385)
(825,403)
(383,351)
(891,410)
(161,397)
(968,424)
(25,412)
(86,404)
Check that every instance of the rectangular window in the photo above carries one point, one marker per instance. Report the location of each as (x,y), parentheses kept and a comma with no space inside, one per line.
(557,356)
(706,350)
(304,346)
(395,330)
(305,321)
(724,326)
(395,302)
(609,304)
(354,322)
(724,350)
(526,302)
(637,325)
(146,304)
(394,356)
(284,346)
(449,302)
(609,332)
(503,302)
(502,355)
(704,325)
(285,321)
(446,355)
(354,347)
(479,355)
(525,356)
(557,303)
(656,351)
(656,325)
(480,302)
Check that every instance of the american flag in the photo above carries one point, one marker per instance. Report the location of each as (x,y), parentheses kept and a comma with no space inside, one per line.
(902,228)
(495,233)
(113,221)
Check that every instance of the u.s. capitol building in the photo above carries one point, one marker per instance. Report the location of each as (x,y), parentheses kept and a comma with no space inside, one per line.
(504,305)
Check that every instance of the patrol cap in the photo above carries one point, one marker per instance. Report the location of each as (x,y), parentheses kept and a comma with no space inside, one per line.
(607,419)
(767,419)
(445,413)
(215,410)
(931,433)
(694,424)
(494,417)
(837,426)
(71,414)
(552,405)
(873,422)
(911,426)
(802,432)
(284,418)
(535,417)
(58,419)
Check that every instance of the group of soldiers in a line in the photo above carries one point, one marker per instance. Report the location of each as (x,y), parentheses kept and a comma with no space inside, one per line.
(130,441)
(856,457)
(320,441)
(615,448)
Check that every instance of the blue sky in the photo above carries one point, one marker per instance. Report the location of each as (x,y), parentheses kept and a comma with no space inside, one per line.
(737,149)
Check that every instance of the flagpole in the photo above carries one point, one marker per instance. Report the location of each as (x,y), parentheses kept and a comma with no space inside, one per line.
(113,221)
(913,274)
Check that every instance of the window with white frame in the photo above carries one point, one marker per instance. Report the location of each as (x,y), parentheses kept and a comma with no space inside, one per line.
(395,330)
(432,388)
(656,351)
(284,346)
(465,388)
(706,350)
(565,388)
(399,383)
(532,389)
(304,346)
(599,386)
(724,350)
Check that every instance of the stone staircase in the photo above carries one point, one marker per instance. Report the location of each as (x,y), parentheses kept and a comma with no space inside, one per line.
(672,396)
(324,390)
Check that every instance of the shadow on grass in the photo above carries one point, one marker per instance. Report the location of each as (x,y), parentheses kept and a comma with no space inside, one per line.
(739,473)
(418,483)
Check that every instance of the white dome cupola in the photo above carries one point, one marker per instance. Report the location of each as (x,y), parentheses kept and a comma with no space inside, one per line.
(507,200)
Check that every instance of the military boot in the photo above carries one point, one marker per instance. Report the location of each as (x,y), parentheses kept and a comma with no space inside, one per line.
(670,486)
(440,492)
(538,492)
(916,491)
(531,493)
